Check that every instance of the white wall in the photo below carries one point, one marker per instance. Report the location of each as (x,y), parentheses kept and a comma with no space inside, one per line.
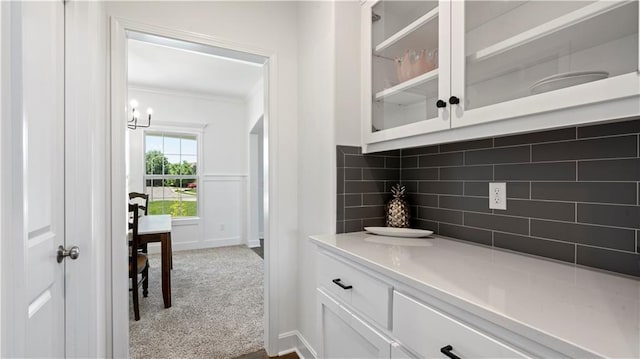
(348,76)
(255,204)
(329,110)
(255,121)
(273,28)
(221,123)
(316,200)
(4,85)
(255,105)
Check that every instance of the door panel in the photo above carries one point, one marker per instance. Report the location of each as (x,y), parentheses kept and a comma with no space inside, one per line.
(43,164)
(346,336)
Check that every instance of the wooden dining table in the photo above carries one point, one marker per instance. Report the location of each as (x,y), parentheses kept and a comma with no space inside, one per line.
(157,228)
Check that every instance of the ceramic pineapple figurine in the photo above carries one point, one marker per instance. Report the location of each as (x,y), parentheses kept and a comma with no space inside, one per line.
(398,208)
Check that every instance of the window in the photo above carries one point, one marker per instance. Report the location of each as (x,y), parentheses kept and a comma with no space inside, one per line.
(171,175)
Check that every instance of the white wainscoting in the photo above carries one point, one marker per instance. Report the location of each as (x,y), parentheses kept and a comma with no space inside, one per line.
(224,209)
(222,215)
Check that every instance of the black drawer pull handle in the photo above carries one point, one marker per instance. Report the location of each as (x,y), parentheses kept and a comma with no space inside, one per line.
(345,287)
(447,351)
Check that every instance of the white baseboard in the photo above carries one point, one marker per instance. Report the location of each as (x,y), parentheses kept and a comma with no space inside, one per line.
(253,244)
(293,341)
(209,243)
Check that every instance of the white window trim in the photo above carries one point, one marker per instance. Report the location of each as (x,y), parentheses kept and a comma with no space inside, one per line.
(178,130)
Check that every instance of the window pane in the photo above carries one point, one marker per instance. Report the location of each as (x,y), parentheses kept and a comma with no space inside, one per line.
(189,145)
(173,162)
(189,197)
(188,165)
(156,163)
(153,143)
(156,190)
(171,145)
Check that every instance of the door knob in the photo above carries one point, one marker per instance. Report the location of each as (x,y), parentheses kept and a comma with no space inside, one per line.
(73,253)
(441,104)
(454,100)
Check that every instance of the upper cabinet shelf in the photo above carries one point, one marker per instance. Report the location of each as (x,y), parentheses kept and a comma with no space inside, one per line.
(408,30)
(602,22)
(416,90)
(563,29)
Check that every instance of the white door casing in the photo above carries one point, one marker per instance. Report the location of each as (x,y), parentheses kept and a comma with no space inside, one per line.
(117,294)
(33,161)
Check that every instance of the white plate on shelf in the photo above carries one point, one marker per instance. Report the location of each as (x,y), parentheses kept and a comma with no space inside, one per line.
(566,79)
(399,232)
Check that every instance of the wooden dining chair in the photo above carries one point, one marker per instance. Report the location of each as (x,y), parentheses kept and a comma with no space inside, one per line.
(142,199)
(138,262)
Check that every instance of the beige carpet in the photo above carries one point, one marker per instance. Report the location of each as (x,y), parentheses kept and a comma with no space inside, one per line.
(217,312)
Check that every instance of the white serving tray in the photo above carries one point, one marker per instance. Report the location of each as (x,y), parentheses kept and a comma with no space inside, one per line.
(399,232)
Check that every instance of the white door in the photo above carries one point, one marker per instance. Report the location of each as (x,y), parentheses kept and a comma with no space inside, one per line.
(36,296)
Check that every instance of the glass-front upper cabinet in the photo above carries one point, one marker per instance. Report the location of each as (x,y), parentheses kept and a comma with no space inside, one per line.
(406,62)
(514,58)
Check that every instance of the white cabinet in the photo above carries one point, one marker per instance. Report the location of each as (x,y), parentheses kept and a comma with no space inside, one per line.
(513,58)
(496,60)
(431,333)
(398,353)
(420,326)
(368,295)
(344,335)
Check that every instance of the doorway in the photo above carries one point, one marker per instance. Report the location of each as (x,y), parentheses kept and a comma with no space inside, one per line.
(163,130)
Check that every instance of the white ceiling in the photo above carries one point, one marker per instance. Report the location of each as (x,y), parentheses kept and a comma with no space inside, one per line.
(171,68)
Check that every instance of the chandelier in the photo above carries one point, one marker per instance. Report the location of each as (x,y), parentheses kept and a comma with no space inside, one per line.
(135,115)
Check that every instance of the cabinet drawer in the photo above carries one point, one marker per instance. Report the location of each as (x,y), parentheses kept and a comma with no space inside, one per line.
(364,293)
(426,331)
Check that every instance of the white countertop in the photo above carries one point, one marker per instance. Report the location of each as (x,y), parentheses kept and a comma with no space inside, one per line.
(593,310)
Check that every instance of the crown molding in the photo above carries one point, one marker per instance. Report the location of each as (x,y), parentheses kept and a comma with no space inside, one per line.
(176,124)
(188,94)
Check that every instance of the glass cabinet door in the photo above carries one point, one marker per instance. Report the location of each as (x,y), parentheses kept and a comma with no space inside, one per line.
(519,49)
(407,62)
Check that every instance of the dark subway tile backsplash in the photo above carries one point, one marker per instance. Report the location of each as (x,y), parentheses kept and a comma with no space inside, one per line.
(363,185)
(609,170)
(556,171)
(537,137)
(573,194)
(520,154)
(607,147)
(550,249)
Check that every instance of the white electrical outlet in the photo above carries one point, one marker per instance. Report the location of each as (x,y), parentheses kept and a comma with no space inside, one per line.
(498,195)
